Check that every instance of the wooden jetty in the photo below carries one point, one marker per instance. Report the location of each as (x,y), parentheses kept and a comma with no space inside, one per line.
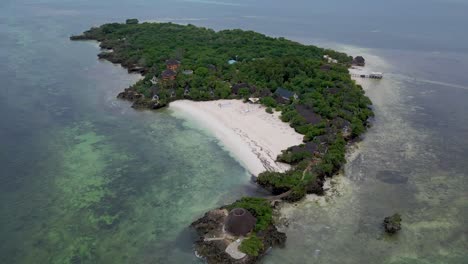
(372,75)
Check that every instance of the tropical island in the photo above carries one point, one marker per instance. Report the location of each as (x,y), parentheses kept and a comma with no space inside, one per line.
(307,87)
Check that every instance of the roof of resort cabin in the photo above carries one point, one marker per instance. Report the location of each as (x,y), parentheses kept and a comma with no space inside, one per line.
(168,74)
(239,222)
(232,61)
(172,62)
(254,99)
(284,93)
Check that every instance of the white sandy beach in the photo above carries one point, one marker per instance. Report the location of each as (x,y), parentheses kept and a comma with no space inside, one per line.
(249,133)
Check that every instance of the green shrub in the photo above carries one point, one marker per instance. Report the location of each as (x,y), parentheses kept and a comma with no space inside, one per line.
(334,158)
(297,193)
(279,182)
(251,246)
(269,110)
(244,92)
(293,157)
(268,101)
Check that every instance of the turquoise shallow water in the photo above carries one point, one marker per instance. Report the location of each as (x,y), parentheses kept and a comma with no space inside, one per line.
(86,179)
(111,184)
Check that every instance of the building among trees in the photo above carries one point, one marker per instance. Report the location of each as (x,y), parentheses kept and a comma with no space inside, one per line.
(172,64)
(239,222)
(284,94)
(168,75)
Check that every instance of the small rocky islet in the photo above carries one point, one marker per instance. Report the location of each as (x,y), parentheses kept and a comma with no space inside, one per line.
(310,86)
(392,224)
(232,234)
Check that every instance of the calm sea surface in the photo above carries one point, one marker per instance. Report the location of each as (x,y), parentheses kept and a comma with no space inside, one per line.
(86,179)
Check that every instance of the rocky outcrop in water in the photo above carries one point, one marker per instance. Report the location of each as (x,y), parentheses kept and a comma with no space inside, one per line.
(139,100)
(130,94)
(391,177)
(392,224)
(359,61)
(213,241)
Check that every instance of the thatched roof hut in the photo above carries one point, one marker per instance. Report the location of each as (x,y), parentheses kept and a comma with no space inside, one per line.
(239,222)
(168,75)
(172,62)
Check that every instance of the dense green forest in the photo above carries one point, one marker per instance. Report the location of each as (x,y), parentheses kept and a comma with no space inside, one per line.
(328,107)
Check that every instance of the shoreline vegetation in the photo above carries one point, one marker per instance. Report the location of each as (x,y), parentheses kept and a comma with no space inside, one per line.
(310,87)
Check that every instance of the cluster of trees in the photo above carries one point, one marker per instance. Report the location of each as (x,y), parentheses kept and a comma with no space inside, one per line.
(301,179)
(324,90)
(252,245)
(262,61)
(294,157)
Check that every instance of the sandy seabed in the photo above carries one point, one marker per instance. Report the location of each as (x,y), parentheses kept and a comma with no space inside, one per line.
(246,130)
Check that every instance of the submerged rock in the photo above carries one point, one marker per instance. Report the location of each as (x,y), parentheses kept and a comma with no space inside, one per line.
(359,61)
(392,224)
(391,177)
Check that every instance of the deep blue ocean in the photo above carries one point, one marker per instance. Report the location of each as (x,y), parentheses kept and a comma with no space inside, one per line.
(84,178)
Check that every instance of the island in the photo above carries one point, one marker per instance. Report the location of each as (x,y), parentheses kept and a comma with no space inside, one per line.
(307,87)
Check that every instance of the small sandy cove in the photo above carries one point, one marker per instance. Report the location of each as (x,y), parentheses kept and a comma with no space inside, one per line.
(249,133)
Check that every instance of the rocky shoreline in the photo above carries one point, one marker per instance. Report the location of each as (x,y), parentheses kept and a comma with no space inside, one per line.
(139,100)
(213,240)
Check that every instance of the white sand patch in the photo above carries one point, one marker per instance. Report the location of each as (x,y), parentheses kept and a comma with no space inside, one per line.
(250,134)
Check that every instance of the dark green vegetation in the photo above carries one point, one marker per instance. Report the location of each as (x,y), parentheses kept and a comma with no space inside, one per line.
(251,246)
(317,98)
